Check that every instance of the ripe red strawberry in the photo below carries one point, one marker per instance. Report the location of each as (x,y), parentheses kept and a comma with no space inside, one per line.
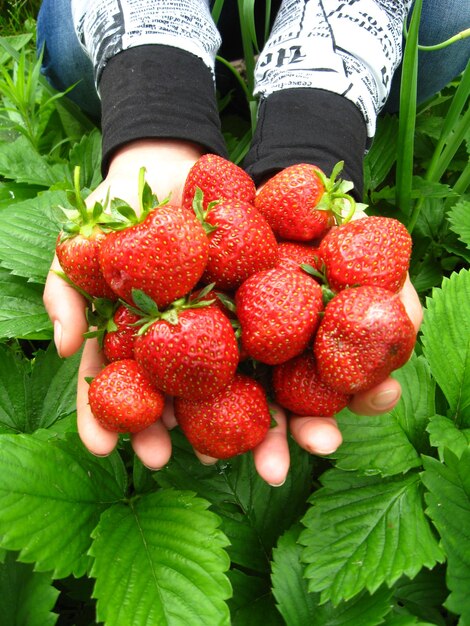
(369,251)
(164,255)
(232,422)
(278,311)
(300,202)
(118,340)
(122,398)
(293,254)
(218,179)
(78,257)
(78,245)
(298,388)
(364,335)
(241,242)
(190,352)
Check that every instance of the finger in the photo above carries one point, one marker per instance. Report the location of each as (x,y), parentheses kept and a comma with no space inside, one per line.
(205,459)
(381,399)
(153,445)
(317,435)
(66,310)
(412,303)
(168,416)
(271,456)
(97,439)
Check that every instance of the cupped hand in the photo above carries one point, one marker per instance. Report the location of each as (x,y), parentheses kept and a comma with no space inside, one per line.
(167,163)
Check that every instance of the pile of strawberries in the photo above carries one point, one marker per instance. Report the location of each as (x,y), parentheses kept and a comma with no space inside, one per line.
(194,300)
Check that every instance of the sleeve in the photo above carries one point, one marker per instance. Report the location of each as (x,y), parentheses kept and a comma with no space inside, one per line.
(153,62)
(326,71)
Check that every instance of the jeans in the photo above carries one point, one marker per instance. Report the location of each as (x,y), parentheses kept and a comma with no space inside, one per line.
(65,63)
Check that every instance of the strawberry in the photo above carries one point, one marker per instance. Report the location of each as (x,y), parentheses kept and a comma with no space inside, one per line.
(364,335)
(241,241)
(78,245)
(229,423)
(163,252)
(118,340)
(218,178)
(123,400)
(300,202)
(278,311)
(293,254)
(189,350)
(298,388)
(370,251)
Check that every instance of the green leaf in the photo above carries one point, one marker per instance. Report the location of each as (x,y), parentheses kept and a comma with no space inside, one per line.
(298,606)
(26,597)
(374,445)
(252,601)
(35,394)
(459,218)
(448,503)
(19,161)
(22,313)
(11,193)
(52,387)
(364,531)
(52,493)
(424,595)
(446,342)
(417,401)
(388,444)
(168,563)
(444,434)
(28,234)
(379,160)
(87,155)
(253,513)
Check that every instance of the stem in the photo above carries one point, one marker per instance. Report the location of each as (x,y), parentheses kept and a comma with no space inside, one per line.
(463,34)
(237,75)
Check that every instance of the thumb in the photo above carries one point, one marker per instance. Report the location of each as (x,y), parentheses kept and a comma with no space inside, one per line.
(66,310)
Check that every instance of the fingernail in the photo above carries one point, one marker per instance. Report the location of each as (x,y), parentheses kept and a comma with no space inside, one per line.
(58,337)
(326,452)
(277,484)
(385,399)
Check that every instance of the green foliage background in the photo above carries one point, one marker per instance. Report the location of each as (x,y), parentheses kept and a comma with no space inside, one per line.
(379,533)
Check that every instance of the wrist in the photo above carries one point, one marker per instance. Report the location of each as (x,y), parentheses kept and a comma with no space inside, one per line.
(151,154)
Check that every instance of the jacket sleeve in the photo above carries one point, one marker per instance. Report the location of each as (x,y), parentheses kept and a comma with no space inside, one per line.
(330,63)
(153,62)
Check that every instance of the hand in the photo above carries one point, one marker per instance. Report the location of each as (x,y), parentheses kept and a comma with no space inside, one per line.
(321,435)
(167,163)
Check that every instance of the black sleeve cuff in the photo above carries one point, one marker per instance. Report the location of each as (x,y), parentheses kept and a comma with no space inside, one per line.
(304,125)
(156,91)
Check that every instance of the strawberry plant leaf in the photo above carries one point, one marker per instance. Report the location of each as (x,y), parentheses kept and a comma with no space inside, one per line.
(298,606)
(374,445)
(19,161)
(28,234)
(448,503)
(459,218)
(252,601)
(253,513)
(423,596)
(390,443)
(168,562)
(446,342)
(443,433)
(35,394)
(417,401)
(365,531)
(52,493)
(22,313)
(52,388)
(26,596)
